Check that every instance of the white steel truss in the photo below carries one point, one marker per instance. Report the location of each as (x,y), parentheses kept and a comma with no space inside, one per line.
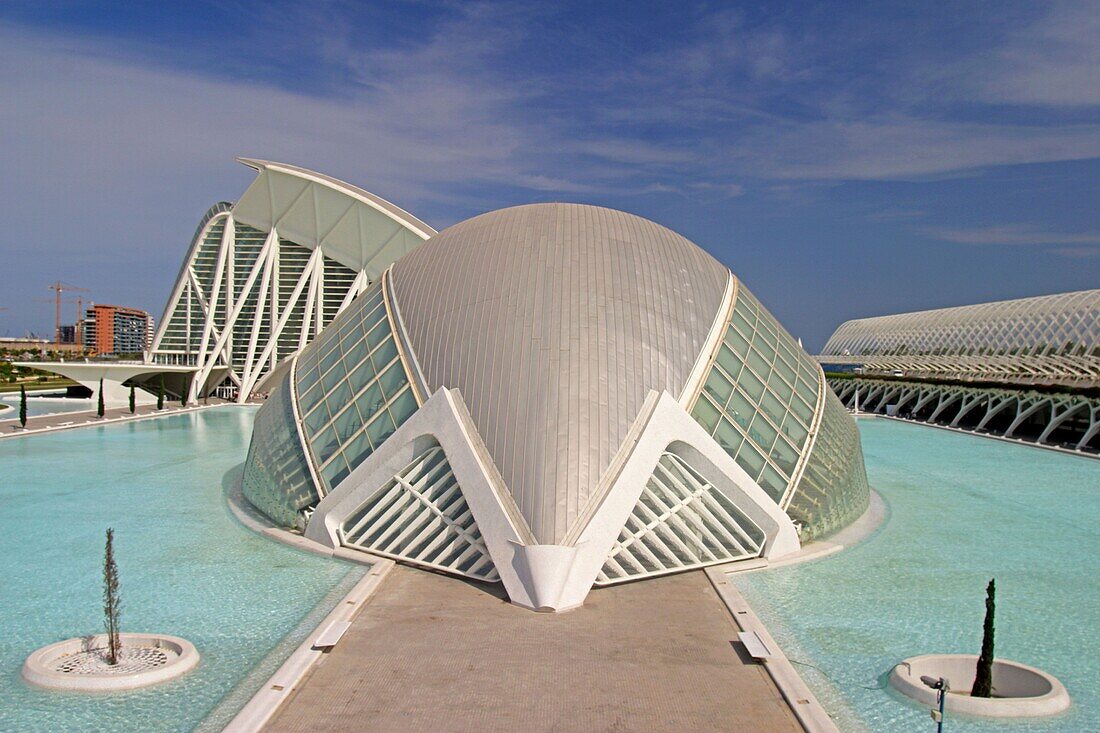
(421,516)
(265,276)
(1065,420)
(1049,338)
(681,521)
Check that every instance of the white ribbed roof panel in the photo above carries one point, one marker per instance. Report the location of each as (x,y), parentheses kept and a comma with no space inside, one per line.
(352,226)
(554,321)
(1046,324)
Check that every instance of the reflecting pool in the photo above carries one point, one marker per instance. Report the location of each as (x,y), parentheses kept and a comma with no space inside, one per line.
(186,566)
(44,403)
(962,509)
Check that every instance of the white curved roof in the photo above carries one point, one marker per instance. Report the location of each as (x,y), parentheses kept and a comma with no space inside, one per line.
(528,311)
(352,226)
(1047,321)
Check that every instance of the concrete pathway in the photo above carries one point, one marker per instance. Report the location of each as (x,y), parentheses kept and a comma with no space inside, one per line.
(435,653)
(10,428)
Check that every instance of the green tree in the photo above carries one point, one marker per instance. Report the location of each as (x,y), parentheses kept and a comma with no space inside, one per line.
(22,405)
(112,604)
(983,678)
(100,406)
(133,404)
(160,393)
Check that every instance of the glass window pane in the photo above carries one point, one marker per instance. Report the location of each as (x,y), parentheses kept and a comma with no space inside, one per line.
(370,401)
(378,334)
(762,433)
(347,423)
(705,414)
(335,472)
(741,324)
(325,444)
(740,410)
(784,456)
(750,459)
(773,408)
(757,362)
(357,449)
(752,386)
(718,387)
(403,407)
(794,430)
(392,380)
(728,437)
(316,419)
(356,353)
(381,428)
(385,353)
(332,377)
(804,411)
(338,397)
(736,341)
(772,483)
(729,361)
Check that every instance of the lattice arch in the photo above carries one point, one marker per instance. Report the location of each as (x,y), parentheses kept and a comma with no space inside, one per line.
(421,516)
(681,521)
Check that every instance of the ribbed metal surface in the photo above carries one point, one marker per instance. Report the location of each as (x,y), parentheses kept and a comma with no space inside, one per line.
(1067,323)
(554,321)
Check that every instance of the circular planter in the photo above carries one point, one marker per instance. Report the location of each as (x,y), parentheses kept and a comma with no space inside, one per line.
(1019,690)
(80,664)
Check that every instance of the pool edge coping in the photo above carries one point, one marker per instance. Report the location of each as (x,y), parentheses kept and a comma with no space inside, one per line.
(99,422)
(282,685)
(807,710)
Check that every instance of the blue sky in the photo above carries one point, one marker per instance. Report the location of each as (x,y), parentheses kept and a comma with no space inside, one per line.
(844,159)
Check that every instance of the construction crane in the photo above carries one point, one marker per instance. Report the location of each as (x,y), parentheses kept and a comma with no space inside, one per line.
(58,288)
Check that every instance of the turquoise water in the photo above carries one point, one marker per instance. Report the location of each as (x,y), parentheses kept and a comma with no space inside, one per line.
(43,404)
(186,566)
(962,509)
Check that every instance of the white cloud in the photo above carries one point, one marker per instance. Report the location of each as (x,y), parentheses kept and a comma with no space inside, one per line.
(1016,235)
(1055,62)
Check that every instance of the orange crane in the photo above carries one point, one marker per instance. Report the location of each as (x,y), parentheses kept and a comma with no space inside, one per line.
(58,288)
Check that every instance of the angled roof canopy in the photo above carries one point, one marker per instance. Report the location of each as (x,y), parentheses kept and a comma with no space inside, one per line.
(352,226)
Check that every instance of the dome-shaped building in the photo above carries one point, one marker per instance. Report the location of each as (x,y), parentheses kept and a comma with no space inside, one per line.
(556,396)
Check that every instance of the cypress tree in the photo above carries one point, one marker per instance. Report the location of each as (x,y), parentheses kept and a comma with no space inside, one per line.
(160,393)
(100,406)
(112,604)
(133,404)
(983,678)
(22,405)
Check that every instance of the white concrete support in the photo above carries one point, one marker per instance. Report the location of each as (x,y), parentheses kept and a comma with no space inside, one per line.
(540,576)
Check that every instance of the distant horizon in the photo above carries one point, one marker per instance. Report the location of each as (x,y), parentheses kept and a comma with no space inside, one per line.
(844,162)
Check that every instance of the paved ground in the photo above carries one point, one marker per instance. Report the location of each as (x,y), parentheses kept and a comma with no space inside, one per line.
(9,419)
(435,653)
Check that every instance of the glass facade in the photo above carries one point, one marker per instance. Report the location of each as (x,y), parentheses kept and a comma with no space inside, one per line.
(833,491)
(352,394)
(759,401)
(353,391)
(759,398)
(276,477)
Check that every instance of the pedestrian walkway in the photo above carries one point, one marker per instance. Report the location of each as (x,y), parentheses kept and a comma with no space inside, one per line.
(10,428)
(436,653)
